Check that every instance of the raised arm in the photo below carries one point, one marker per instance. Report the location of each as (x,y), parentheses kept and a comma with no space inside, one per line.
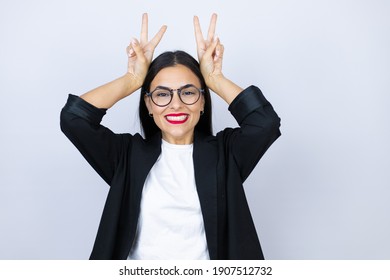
(140,54)
(210,54)
(259,123)
(81,117)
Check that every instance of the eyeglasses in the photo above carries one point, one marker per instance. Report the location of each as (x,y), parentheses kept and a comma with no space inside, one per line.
(162,96)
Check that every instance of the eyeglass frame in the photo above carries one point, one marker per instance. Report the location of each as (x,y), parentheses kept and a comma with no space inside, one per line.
(178,91)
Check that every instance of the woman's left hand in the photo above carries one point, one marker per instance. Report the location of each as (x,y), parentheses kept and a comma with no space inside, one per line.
(210,53)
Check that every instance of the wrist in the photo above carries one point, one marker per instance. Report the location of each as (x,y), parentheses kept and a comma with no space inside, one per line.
(131,82)
(215,82)
(225,88)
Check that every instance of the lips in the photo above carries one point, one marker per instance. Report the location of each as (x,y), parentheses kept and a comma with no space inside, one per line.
(177,118)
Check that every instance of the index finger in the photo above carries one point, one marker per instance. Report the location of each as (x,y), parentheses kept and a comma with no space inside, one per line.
(157,38)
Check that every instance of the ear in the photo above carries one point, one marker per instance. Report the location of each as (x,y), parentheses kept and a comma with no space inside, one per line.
(203,102)
(148,105)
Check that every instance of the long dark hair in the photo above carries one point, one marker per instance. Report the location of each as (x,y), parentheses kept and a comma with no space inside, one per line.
(169,59)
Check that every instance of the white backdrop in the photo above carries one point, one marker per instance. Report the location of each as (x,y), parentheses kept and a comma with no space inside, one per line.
(320,192)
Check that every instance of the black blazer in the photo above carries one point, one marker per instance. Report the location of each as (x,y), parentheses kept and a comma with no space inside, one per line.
(221,163)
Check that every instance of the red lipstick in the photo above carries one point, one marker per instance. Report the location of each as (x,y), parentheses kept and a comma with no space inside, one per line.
(178,118)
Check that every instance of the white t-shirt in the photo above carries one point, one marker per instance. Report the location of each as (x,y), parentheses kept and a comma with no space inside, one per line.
(170,224)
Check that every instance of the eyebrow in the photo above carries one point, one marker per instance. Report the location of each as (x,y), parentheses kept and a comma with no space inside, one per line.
(168,88)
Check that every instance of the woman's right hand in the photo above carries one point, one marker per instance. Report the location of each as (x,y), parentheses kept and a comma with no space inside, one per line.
(140,53)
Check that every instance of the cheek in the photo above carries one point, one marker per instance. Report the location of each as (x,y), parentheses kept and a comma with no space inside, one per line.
(158,115)
(196,113)
(153,108)
(201,105)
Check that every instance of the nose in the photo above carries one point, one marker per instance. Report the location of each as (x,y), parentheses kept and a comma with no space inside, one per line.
(176,102)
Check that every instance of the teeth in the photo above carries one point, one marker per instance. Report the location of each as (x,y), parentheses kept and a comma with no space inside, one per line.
(176,118)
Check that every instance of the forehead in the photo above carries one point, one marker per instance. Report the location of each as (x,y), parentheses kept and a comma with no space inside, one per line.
(175,77)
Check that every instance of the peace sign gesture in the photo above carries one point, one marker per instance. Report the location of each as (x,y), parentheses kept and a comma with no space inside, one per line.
(210,51)
(140,53)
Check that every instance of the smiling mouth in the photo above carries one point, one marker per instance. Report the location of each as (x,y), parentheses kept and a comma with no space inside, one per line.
(177,118)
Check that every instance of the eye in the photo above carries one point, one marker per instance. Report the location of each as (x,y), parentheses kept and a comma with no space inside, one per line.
(188,92)
(162,93)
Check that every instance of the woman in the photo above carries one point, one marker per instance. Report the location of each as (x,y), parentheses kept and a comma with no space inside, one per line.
(177,193)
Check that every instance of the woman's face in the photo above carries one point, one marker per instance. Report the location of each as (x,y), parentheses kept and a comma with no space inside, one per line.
(176,120)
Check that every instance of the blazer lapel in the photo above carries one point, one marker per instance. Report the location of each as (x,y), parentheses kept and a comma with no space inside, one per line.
(143,156)
(205,158)
(146,156)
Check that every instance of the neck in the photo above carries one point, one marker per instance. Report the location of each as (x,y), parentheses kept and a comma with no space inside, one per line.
(186,140)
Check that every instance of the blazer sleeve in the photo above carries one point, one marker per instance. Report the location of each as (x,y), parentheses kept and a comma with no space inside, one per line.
(259,128)
(80,122)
